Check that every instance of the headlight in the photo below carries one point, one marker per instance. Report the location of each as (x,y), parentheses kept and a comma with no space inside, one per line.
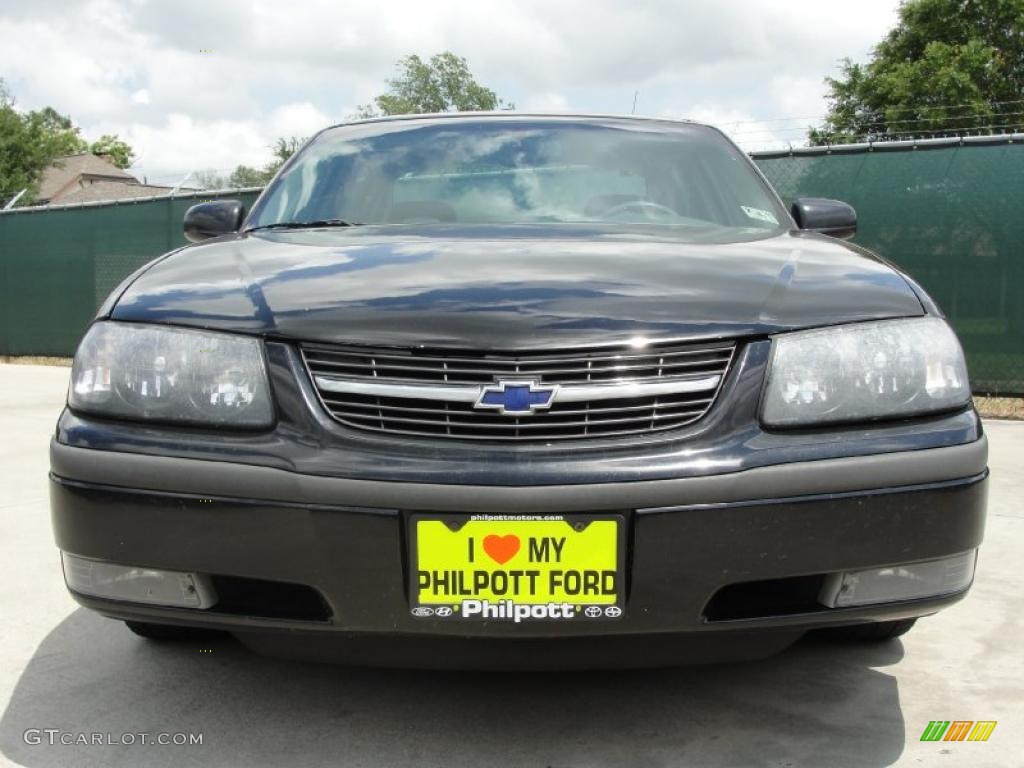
(865,371)
(170,374)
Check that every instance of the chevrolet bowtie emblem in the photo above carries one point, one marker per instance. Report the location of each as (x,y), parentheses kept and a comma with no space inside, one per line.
(516,398)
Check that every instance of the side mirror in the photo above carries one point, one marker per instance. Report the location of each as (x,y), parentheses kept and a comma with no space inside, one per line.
(206,220)
(829,217)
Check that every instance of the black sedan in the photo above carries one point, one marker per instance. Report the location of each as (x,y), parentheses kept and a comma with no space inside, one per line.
(507,389)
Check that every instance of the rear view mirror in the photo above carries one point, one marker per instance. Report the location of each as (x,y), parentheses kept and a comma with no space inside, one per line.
(206,220)
(829,217)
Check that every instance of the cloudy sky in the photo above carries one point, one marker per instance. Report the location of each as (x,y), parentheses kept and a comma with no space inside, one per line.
(201,84)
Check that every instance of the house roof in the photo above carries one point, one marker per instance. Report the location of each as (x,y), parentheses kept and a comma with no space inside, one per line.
(66,170)
(91,191)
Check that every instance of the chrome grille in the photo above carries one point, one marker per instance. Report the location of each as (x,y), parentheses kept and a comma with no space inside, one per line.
(599,392)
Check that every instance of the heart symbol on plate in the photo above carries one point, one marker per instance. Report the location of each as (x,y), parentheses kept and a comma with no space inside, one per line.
(501,548)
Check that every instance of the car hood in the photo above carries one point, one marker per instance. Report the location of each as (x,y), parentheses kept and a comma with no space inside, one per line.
(511,288)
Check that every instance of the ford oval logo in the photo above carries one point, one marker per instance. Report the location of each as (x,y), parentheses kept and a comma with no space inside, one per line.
(516,398)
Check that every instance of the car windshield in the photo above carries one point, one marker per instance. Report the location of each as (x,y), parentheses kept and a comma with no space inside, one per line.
(686,179)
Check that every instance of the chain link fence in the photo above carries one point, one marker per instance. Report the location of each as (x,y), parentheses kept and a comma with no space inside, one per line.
(948,212)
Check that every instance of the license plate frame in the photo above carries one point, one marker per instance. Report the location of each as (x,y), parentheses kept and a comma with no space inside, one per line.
(458,547)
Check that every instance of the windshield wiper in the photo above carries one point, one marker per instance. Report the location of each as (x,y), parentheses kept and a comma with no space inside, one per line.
(306,224)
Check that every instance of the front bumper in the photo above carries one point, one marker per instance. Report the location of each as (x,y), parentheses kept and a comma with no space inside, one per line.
(689,539)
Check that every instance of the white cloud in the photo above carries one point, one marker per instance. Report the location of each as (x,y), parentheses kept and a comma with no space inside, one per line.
(301,119)
(741,126)
(797,103)
(183,143)
(546,101)
(140,68)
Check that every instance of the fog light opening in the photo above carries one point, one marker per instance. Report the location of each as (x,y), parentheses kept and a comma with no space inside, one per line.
(908,581)
(151,586)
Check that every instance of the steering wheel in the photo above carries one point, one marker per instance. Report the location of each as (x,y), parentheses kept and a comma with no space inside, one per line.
(640,205)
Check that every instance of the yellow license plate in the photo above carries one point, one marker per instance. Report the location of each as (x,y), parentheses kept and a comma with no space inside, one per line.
(517,568)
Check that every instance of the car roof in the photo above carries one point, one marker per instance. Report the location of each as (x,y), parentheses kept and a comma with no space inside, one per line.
(506,114)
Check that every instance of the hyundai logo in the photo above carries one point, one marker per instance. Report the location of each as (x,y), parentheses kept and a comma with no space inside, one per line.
(516,398)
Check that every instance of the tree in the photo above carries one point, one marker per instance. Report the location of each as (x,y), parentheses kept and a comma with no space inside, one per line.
(244,176)
(949,66)
(32,141)
(117,150)
(17,168)
(444,84)
(210,179)
(54,132)
(282,149)
(247,176)
(29,142)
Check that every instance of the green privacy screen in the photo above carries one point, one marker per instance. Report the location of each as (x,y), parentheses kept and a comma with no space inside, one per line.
(58,264)
(949,214)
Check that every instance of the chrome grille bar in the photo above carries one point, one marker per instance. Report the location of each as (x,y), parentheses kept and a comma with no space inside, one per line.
(449,370)
(564,394)
(593,411)
(519,360)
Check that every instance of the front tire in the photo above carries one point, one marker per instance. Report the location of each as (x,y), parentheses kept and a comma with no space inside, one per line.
(875,632)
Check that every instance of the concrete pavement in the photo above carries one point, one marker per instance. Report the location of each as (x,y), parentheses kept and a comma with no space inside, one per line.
(814,705)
